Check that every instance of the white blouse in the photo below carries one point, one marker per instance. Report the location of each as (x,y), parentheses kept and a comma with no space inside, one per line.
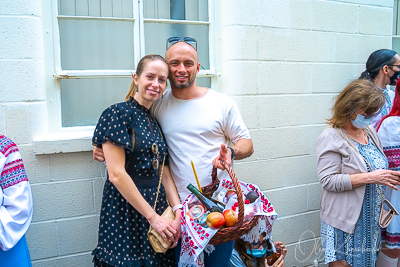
(15,195)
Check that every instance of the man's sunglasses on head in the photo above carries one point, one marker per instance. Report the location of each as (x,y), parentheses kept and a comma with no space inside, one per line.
(189,40)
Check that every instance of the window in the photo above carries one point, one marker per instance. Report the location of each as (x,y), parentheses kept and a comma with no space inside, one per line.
(396,27)
(96,45)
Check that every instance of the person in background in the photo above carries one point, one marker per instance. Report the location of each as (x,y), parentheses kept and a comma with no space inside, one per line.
(351,165)
(247,254)
(135,152)
(383,68)
(16,206)
(389,133)
(199,124)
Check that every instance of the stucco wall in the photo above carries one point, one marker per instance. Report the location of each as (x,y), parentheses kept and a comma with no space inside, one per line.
(282,61)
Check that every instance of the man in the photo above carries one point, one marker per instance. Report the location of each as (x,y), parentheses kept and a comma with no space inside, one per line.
(198,124)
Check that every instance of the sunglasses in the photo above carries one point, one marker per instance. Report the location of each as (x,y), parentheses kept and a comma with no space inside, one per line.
(156,156)
(398,66)
(258,245)
(368,116)
(189,40)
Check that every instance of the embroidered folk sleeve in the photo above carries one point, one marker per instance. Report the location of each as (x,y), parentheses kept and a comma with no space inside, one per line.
(16,205)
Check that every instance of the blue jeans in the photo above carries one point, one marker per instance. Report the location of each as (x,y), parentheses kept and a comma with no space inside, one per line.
(220,257)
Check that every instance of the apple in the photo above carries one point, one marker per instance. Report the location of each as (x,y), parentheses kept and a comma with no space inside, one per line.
(215,220)
(230,218)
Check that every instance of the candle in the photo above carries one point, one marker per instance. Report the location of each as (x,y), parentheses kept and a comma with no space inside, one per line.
(197,179)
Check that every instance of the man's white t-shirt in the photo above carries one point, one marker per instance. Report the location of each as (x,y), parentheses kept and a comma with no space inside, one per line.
(194,130)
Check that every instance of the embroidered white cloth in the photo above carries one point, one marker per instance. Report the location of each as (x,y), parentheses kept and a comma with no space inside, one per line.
(15,196)
(195,237)
(389,133)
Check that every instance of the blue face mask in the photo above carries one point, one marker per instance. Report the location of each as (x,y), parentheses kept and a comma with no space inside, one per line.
(362,121)
(257,253)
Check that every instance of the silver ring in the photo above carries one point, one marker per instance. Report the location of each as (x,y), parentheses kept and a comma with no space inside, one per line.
(163,236)
(176,243)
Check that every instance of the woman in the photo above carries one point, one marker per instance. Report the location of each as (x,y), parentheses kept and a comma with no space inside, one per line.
(388,132)
(247,254)
(383,68)
(350,199)
(135,151)
(16,206)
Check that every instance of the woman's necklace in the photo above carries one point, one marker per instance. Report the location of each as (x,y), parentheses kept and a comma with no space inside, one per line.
(357,134)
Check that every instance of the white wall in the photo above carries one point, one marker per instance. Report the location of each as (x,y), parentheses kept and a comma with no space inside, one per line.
(66,187)
(283,62)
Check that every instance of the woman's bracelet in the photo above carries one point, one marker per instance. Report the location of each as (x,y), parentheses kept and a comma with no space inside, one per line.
(179,206)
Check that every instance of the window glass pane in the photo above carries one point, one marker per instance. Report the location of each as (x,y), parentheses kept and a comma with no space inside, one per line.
(96,8)
(203,82)
(396,44)
(196,10)
(83,100)
(96,44)
(156,35)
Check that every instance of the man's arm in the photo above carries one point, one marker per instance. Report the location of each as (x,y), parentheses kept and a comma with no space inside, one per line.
(243,149)
(98,154)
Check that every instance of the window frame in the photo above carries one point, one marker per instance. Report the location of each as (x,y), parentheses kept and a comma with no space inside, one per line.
(54,72)
(396,20)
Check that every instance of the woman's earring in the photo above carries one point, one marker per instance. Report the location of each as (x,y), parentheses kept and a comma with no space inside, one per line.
(137,90)
(162,96)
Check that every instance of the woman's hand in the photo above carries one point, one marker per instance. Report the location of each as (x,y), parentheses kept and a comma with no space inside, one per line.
(163,227)
(176,224)
(386,177)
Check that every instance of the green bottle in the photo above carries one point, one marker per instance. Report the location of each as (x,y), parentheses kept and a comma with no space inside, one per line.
(209,203)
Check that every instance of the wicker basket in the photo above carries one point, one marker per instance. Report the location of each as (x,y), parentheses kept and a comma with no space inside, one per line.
(228,234)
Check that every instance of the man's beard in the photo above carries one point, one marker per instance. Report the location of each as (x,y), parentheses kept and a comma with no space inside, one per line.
(180,85)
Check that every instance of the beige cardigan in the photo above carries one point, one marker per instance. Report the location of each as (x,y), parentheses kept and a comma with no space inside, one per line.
(341,203)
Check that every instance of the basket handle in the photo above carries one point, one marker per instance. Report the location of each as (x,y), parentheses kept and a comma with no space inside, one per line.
(239,194)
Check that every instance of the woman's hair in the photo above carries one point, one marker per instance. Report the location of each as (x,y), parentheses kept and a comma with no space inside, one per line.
(360,95)
(241,247)
(376,61)
(140,67)
(396,105)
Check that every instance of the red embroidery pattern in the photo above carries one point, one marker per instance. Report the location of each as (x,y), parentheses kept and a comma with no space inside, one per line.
(393,156)
(13,172)
(7,146)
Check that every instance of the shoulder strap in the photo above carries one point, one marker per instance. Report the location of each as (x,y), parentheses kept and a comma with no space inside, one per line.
(159,183)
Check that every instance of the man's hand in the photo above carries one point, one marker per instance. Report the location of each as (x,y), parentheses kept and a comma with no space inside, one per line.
(224,153)
(243,148)
(176,224)
(98,154)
